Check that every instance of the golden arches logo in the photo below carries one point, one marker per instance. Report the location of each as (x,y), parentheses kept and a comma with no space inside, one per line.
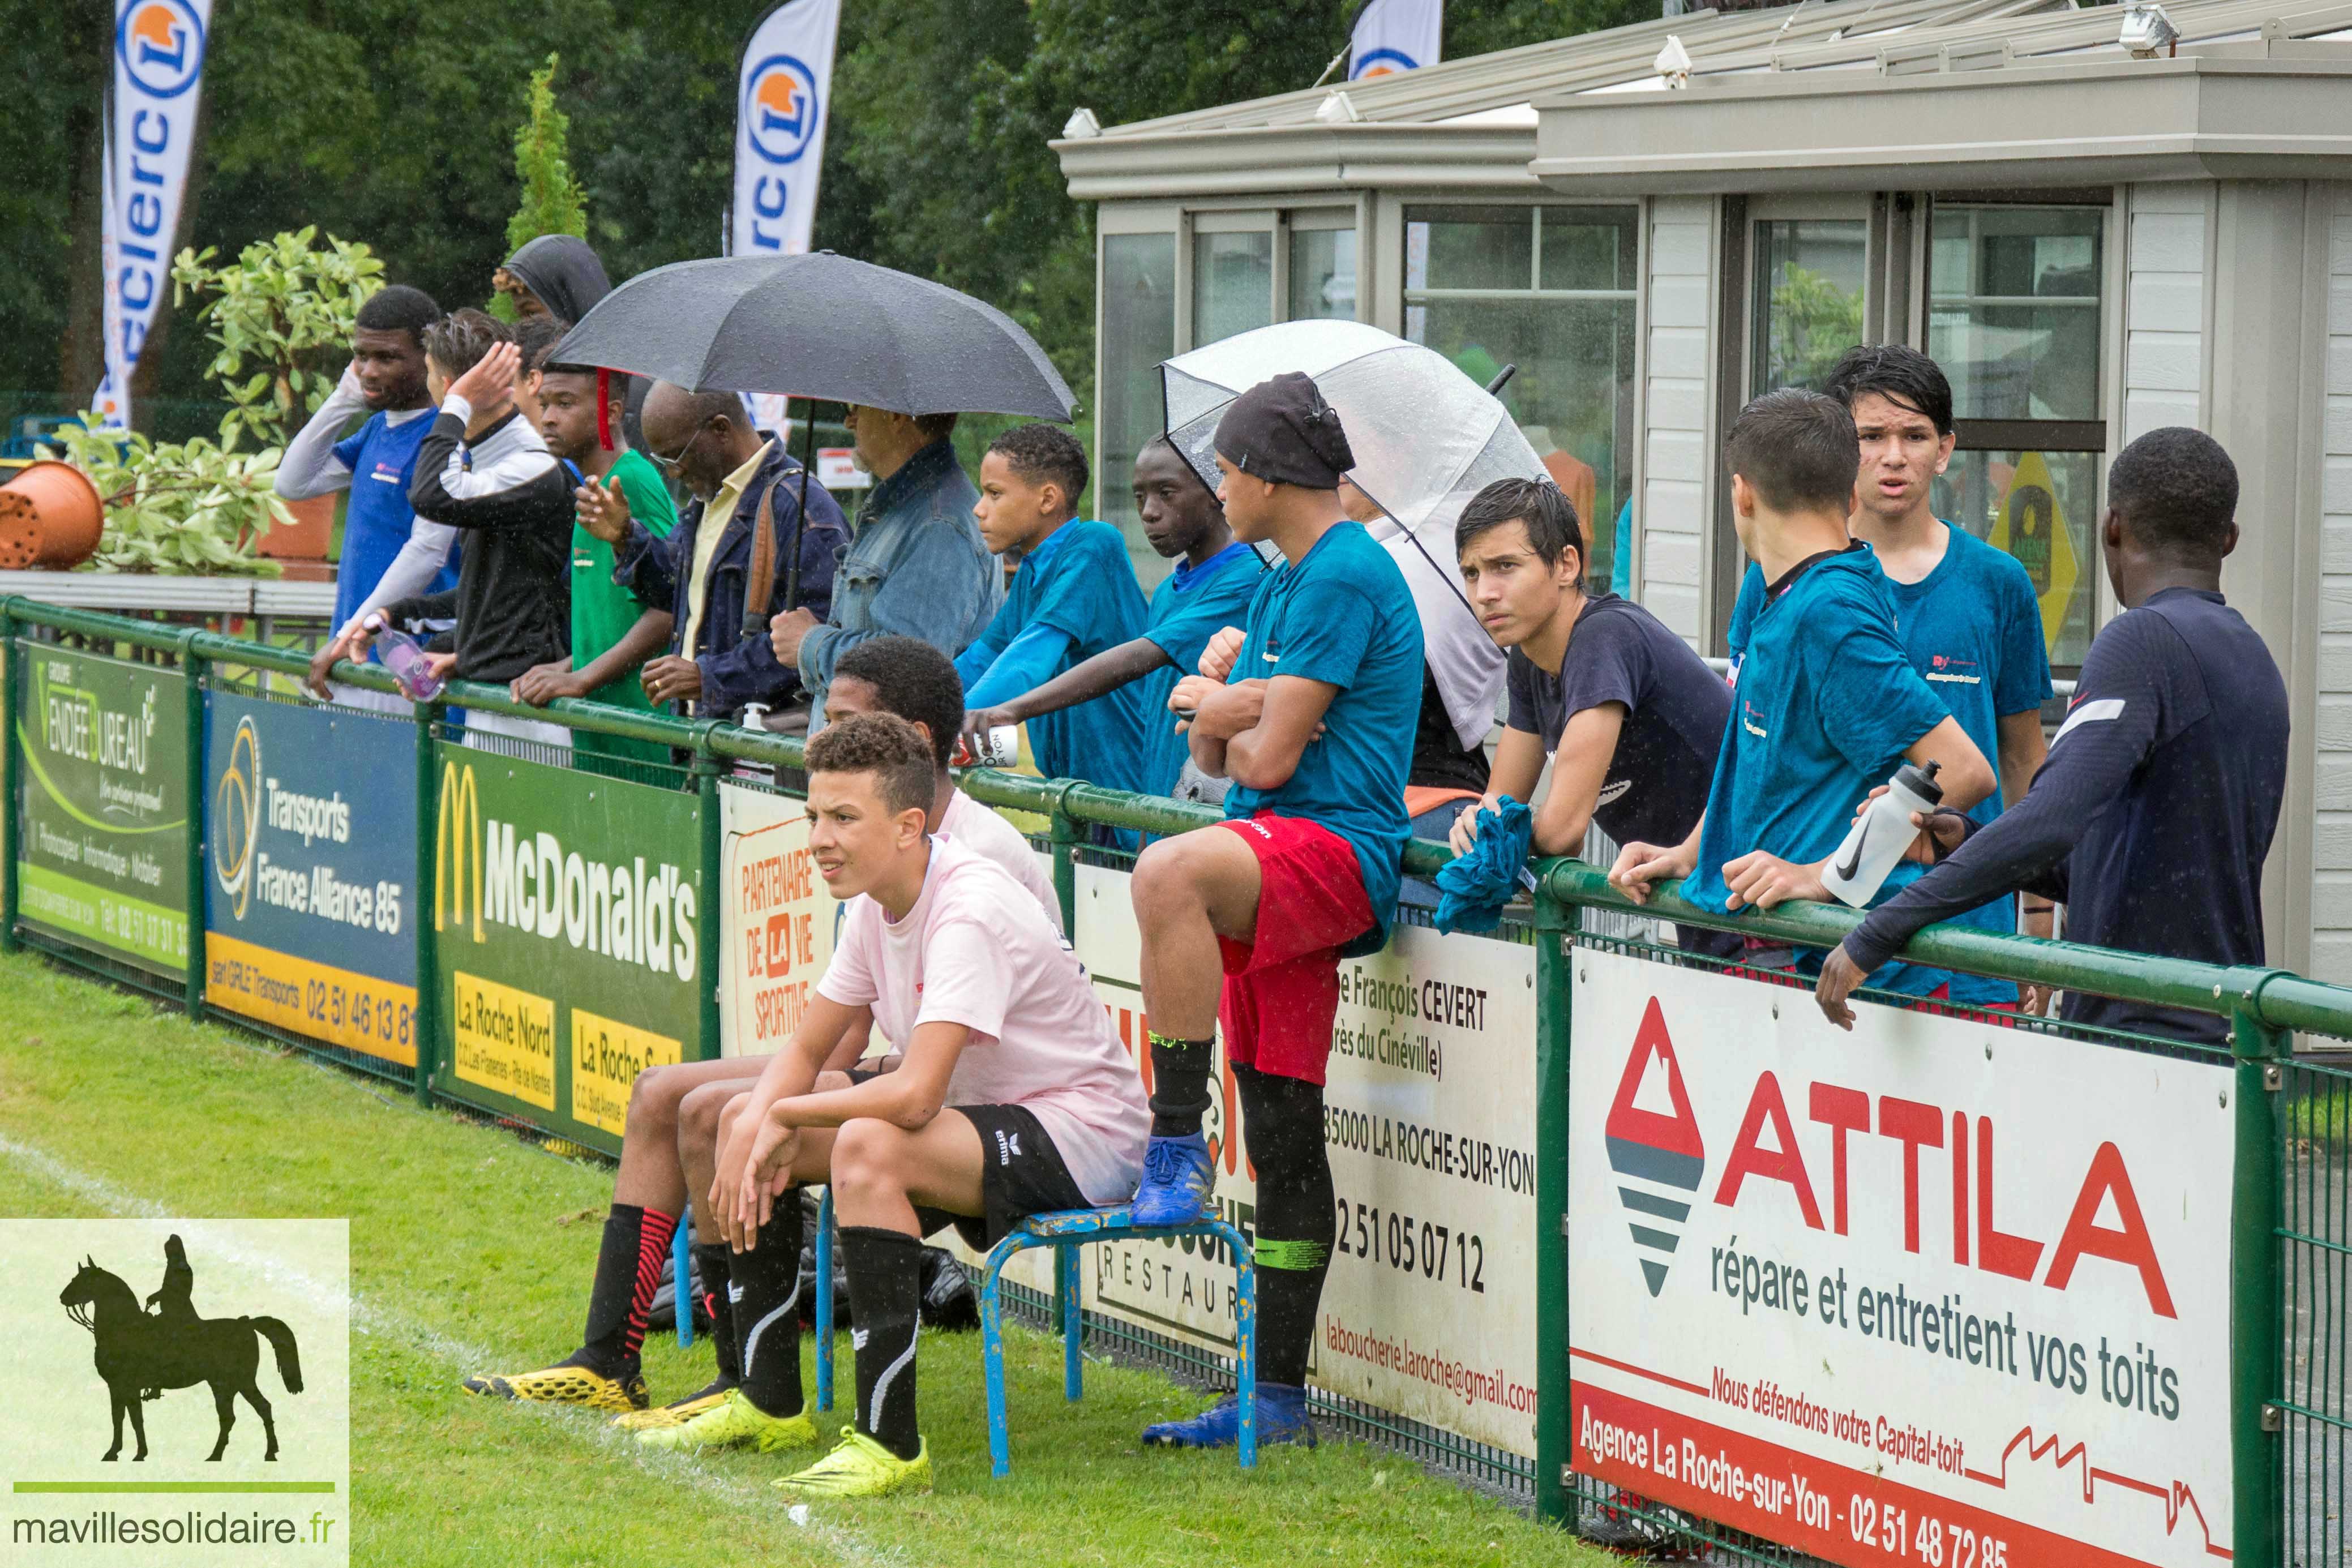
(236,817)
(457,844)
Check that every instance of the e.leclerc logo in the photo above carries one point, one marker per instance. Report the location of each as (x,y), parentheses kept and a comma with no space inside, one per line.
(1654,1146)
(162,46)
(781,107)
(1383,62)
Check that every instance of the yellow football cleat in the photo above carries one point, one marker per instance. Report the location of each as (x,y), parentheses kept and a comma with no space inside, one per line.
(734,1421)
(564,1385)
(676,1413)
(861,1467)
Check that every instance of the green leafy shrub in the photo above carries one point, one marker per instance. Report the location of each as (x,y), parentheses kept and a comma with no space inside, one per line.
(184,509)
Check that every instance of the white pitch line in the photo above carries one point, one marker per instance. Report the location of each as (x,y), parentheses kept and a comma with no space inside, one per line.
(370,1318)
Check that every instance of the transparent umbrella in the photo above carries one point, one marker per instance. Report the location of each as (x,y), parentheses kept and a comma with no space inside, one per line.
(1426,439)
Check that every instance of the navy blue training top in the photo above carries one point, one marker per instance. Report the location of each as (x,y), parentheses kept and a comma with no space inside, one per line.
(2151,818)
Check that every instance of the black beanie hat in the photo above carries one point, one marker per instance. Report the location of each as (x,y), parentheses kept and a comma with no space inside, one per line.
(1282,431)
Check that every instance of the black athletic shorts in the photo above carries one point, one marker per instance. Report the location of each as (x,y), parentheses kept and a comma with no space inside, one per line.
(1021,1175)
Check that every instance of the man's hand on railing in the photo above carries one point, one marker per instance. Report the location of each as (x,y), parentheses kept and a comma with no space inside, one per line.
(1840,975)
(1765,880)
(1639,865)
(353,643)
(672,679)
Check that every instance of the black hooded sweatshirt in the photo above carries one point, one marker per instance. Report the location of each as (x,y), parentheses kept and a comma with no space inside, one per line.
(568,279)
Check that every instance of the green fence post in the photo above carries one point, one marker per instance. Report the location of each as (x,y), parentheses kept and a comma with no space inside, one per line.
(15,773)
(428,898)
(1068,833)
(2257,1340)
(191,676)
(1556,927)
(712,895)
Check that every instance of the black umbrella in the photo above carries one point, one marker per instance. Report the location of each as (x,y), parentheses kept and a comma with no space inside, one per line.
(822,327)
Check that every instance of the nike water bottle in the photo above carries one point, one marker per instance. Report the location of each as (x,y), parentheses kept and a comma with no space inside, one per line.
(403,656)
(1881,834)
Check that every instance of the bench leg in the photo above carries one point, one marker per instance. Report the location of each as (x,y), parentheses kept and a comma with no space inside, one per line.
(681,1257)
(992,1354)
(1246,1367)
(824,1299)
(1070,1298)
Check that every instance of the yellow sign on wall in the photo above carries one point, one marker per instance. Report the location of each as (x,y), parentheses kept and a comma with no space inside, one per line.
(606,1057)
(2032,529)
(505,1040)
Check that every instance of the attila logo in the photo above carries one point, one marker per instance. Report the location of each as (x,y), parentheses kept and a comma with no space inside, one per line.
(1655,1146)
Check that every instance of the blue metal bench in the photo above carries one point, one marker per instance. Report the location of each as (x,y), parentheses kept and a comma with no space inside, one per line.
(1065,1232)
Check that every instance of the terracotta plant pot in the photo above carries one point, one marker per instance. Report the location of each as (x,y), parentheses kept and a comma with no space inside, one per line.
(304,539)
(50,516)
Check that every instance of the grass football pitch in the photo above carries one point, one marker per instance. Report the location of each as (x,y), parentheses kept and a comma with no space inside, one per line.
(471,1250)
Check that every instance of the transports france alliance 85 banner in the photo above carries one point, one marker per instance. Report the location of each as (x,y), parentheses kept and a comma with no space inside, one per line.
(309,871)
(1933,1292)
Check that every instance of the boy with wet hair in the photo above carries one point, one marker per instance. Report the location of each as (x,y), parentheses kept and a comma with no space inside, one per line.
(1015,1097)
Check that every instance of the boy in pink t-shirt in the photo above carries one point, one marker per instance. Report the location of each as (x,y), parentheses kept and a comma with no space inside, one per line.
(1015,1097)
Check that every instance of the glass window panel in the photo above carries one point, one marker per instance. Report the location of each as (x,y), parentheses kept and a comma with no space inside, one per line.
(1589,248)
(1470,248)
(1232,284)
(1322,275)
(1573,395)
(2040,507)
(1139,330)
(2014,310)
(1808,309)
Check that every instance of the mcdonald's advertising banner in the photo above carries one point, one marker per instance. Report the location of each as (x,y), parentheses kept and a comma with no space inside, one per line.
(102,808)
(1935,1291)
(1429,1310)
(311,865)
(778,921)
(566,934)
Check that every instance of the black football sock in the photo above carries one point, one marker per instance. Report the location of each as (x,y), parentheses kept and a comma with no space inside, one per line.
(712,1261)
(886,1284)
(767,1311)
(1282,1119)
(1180,1085)
(628,1270)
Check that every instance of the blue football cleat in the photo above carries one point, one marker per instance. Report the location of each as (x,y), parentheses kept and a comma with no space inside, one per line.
(1281,1419)
(1177,1178)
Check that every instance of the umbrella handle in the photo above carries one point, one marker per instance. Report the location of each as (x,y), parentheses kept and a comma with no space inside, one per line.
(1502,379)
(799,520)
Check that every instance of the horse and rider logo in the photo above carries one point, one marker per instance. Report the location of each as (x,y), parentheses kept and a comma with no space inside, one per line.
(141,1353)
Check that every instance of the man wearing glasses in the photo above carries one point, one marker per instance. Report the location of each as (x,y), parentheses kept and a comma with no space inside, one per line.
(702,572)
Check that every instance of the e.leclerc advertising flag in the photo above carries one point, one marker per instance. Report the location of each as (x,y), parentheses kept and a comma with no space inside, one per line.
(158,62)
(782,97)
(1393,36)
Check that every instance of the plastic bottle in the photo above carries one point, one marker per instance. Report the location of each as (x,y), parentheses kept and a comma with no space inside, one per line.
(404,657)
(1881,834)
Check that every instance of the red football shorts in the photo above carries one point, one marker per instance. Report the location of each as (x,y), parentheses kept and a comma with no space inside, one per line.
(1282,990)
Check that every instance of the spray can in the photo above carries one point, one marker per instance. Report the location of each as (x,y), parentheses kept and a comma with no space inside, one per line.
(1881,834)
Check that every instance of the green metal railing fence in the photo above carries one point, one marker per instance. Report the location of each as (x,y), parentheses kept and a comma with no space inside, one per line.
(2291,1247)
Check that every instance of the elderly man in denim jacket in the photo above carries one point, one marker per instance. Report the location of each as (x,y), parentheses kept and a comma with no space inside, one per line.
(917,567)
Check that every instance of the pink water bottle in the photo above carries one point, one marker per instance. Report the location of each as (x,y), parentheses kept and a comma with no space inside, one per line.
(404,657)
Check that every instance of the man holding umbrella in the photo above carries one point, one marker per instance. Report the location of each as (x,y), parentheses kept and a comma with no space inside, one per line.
(919,569)
(729,558)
